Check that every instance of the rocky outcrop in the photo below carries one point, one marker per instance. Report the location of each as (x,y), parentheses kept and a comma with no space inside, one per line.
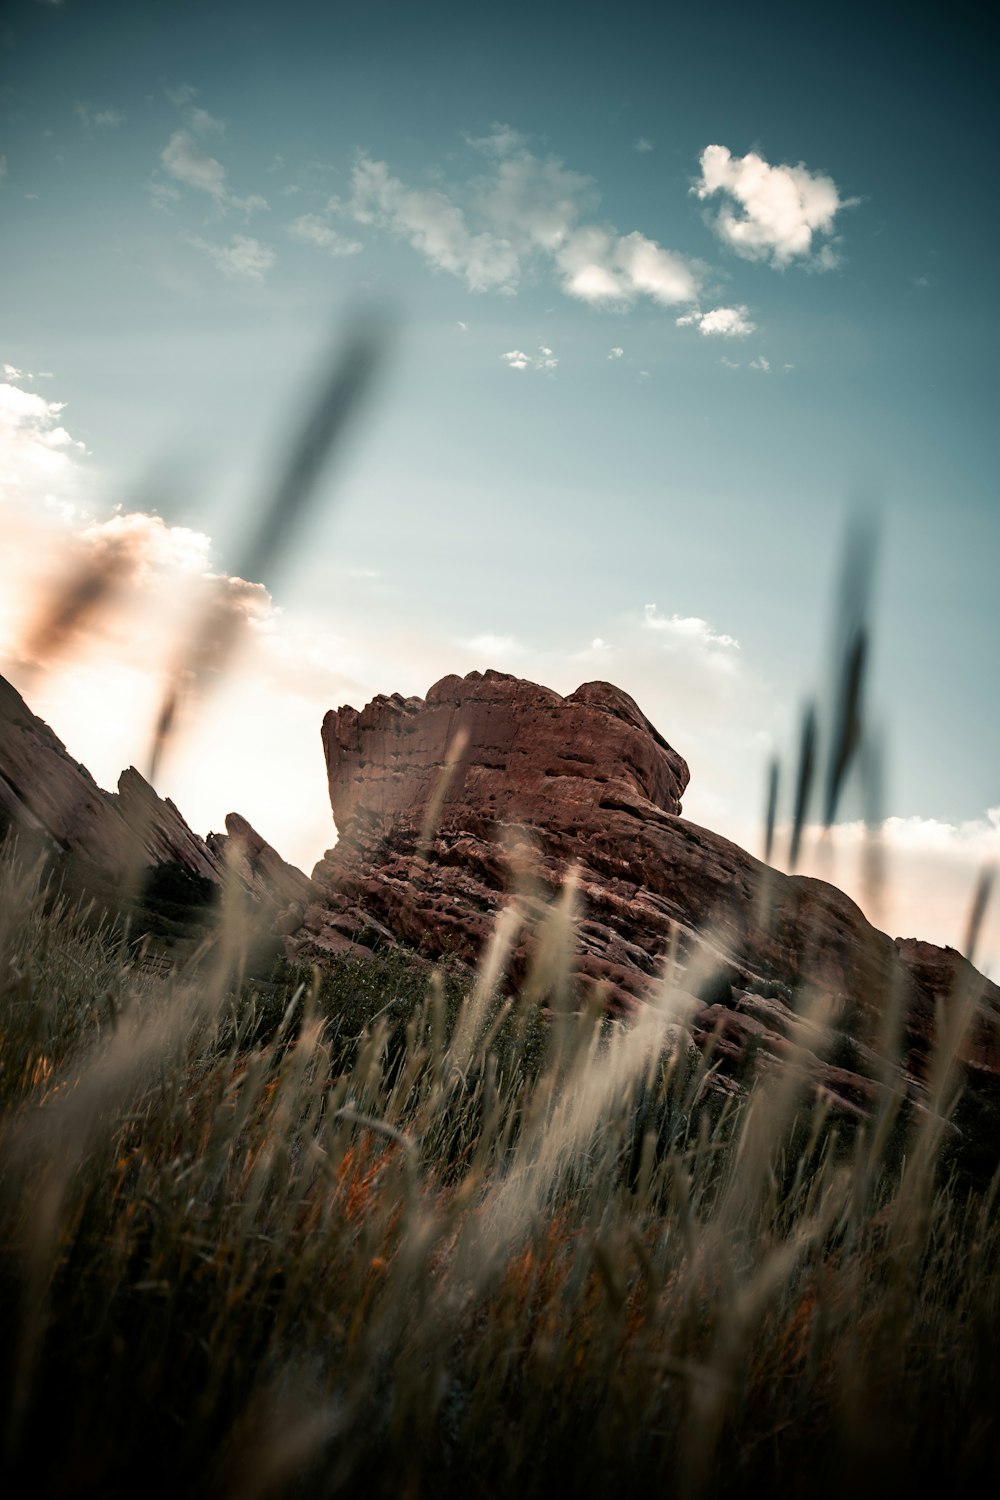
(271,879)
(47,794)
(521,786)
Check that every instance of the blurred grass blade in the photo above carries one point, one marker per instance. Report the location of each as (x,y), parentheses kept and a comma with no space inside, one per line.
(771,810)
(281,514)
(803,782)
(977,910)
(349,381)
(851,645)
(847,721)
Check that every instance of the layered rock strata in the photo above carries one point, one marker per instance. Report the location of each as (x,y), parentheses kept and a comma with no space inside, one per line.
(447,806)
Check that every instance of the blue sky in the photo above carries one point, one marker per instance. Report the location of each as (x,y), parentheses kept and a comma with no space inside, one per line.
(675,293)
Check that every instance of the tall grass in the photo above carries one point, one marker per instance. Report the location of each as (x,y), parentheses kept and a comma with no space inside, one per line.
(358,1232)
(377,1232)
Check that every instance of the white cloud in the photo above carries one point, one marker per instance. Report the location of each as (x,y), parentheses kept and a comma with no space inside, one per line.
(600,266)
(311,229)
(690,628)
(40,461)
(616,352)
(100,119)
(760,363)
(243,258)
(181,95)
(434,225)
(464,327)
(642,145)
(728,322)
(184,160)
(496,648)
(516,359)
(771,213)
(525,210)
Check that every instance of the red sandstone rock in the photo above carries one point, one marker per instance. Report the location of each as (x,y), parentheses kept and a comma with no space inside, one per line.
(545,784)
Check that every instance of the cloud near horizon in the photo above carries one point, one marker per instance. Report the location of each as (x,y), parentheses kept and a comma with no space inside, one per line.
(771,213)
(523,211)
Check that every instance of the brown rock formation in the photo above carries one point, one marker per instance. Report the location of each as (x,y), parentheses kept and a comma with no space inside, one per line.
(45,792)
(266,875)
(43,789)
(541,784)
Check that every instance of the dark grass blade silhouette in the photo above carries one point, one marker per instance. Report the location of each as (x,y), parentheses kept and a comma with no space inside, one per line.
(977,911)
(281,514)
(771,808)
(803,782)
(852,645)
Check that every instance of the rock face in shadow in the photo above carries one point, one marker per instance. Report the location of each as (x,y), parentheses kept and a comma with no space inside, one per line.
(44,790)
(522,786)
(50,796)
(262,870)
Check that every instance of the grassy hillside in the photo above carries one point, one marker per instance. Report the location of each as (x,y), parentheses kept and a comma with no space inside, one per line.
(382,1233)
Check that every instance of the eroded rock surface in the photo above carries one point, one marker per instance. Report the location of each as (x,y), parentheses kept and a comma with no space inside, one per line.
(266,875)
(523,785)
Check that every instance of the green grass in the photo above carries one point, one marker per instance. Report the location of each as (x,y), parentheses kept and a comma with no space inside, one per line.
(361,1233)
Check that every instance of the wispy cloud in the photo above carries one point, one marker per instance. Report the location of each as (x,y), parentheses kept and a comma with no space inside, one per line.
(760,363)
(187,162)
(205,124)
(99,119)
(687,628)
(492,648)
(616,352)
(184,160)
(516,359)
(642,145)
(244,258)
(725,322)
(526,210)
(312,229)
(772,213)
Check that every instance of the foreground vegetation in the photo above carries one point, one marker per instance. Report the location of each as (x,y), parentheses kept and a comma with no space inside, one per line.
(365,1233)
